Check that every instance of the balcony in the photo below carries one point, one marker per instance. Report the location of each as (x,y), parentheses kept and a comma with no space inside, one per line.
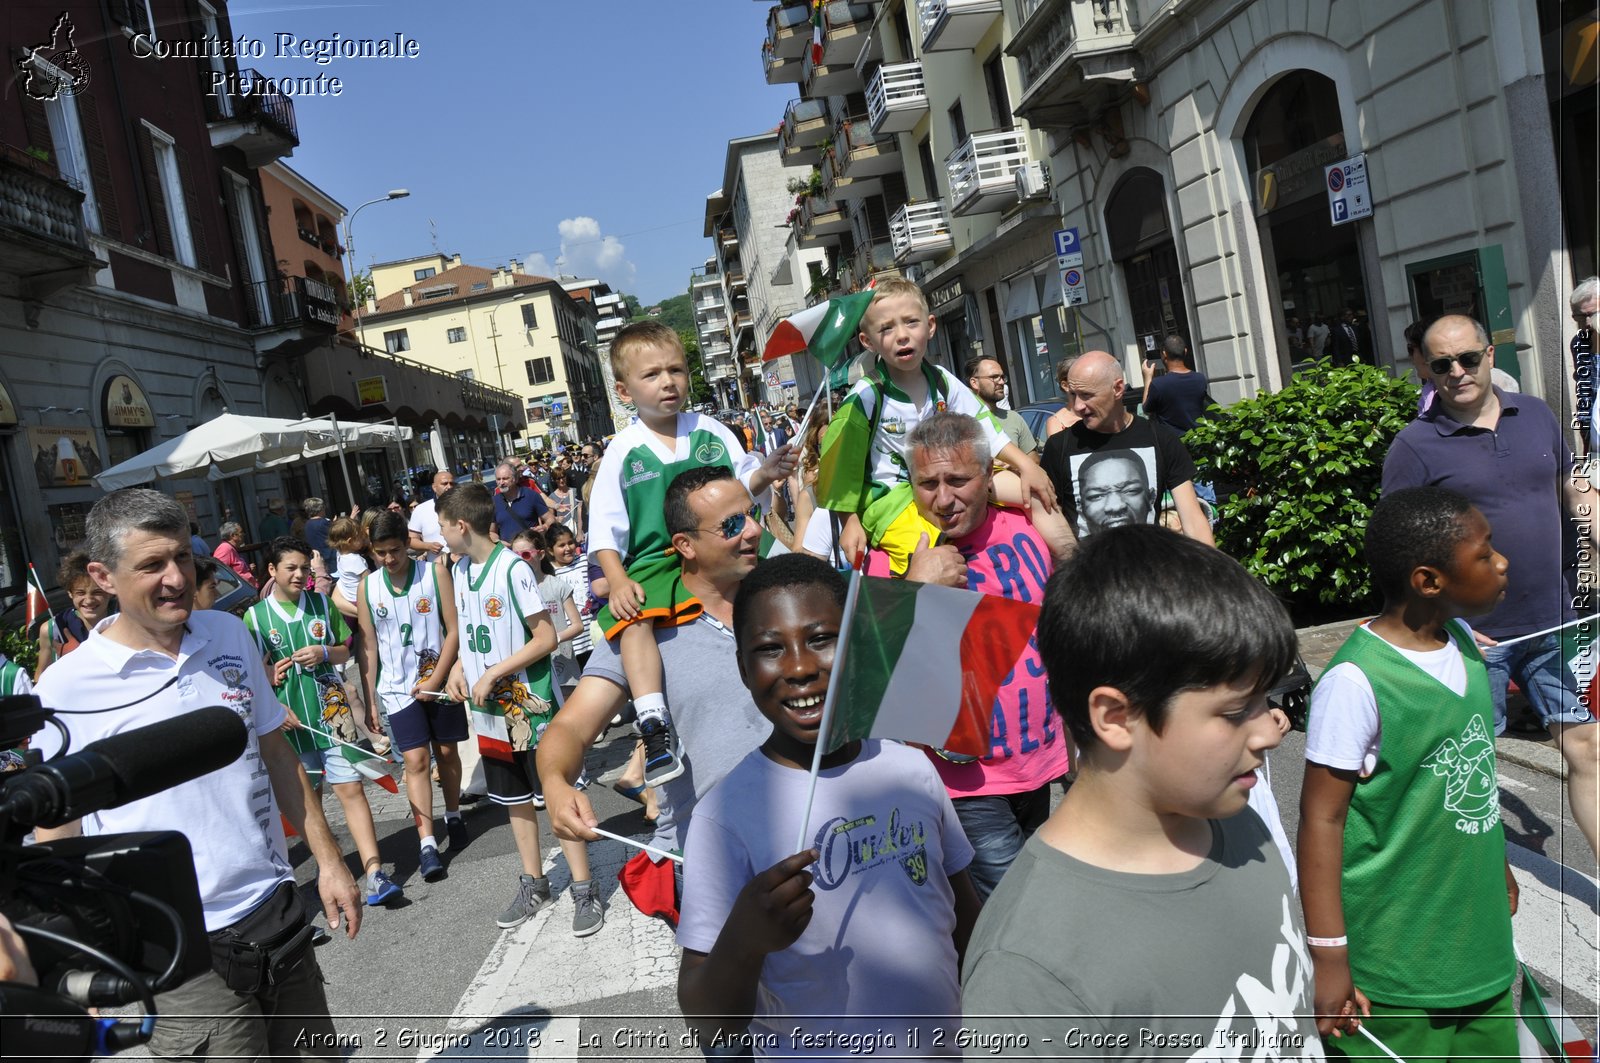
(920,231)
(290,303)
(780,71)
(720,348)
(835,185)
(706,281)
(788,31)
(982,171)
(876,259)
(845,27)
(1073,58)
(955,25)
(248,112)
(805,127)
(728,237)
(820,223)
(717,323)
(897,98)
(822,79)
(42,235)
(861,153)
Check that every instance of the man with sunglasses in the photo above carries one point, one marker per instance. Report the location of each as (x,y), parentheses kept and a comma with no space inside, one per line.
(1508,454)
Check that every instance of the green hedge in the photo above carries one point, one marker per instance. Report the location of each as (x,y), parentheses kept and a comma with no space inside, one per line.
(17,646)
(1297,474)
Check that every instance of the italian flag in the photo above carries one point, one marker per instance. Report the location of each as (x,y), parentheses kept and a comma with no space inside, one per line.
(920,663)
(1547,1025)
(816,32)
(1579,651)
(494,737)
(368,764)
(824,331)
(38,604)
(842,478)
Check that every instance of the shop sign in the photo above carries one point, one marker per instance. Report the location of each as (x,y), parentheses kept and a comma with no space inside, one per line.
(1295,176)
(942,297)
(126,406)
(8,409)
(64,457)
(372,391)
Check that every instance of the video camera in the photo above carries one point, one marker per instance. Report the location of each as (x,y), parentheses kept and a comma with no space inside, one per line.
(112,919)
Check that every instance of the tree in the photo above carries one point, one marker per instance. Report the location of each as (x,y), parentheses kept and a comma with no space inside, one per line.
(635,311)
(699,390)
(360,288)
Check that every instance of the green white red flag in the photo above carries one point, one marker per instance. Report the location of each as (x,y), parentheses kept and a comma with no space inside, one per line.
(922,663)
(816,32)
(38,604)
(1579,650)
(1545,1030)
(824,331)
(368,764)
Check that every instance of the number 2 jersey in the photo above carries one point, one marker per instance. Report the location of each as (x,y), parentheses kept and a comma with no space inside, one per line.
(405,620)
(491,601)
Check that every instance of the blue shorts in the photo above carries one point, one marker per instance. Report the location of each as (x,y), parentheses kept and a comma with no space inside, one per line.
(425,721)
(1539,670)
(329,766)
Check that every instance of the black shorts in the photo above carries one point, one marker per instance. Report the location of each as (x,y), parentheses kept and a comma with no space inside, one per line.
(425,721)
(514,781)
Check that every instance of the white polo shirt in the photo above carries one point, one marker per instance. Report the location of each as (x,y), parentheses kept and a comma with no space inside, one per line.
(229,816)
(425,522)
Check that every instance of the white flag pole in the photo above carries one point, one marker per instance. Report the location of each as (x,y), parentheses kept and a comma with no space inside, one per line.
(1548,630)
(805,422)
(828,706)
(352,745)
(1368,1034)
(638,845)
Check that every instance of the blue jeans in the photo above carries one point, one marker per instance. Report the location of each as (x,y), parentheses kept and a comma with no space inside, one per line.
(997,825)
(1539,669)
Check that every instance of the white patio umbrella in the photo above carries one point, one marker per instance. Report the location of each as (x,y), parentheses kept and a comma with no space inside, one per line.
(229,445)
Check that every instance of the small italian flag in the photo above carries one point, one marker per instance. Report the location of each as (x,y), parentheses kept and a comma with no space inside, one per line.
(1578,649)
(823,331)
(1545,1030)
(370,766)
(921,663)
(816,32)
(38,604)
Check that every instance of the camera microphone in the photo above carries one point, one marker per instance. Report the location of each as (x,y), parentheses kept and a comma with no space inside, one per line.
(124,768)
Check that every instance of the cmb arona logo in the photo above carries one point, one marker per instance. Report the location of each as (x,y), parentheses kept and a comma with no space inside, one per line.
(706,453)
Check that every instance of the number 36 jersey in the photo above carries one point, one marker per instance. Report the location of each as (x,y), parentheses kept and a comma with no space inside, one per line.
(409,635)
(492,600)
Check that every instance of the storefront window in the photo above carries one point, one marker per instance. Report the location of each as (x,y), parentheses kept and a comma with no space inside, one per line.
(1142,245)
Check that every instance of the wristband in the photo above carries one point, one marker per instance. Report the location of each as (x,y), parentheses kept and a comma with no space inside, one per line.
(324,651)
(1328,943)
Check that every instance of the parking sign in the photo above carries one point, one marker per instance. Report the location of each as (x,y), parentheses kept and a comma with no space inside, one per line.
(1349,198)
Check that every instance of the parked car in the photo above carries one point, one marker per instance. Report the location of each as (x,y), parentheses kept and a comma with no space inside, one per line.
(234,595)
(1036,414)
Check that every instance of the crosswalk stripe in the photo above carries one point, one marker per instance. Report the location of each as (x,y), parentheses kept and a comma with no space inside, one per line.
(1555,924)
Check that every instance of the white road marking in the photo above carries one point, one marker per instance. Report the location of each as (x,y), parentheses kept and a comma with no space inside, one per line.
(1555,923)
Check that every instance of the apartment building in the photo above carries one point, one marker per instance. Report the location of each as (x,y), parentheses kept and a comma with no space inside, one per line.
(499,327)
(1199,148)
(610,311)
(764,275)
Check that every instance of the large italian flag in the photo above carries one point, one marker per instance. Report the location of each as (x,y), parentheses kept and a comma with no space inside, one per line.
(823,331)
(921,663)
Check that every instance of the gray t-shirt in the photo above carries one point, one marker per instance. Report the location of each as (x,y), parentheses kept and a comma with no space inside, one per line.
(1082,961)
(715,719)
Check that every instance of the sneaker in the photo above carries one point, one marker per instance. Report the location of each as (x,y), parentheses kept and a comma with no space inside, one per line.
(663,757)
(468,797)
(382,890)
(533,896)
(457,829)
(589,914)
(538,801)
(429,864)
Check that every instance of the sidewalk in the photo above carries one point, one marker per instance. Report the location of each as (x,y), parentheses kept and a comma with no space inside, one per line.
(1536,752)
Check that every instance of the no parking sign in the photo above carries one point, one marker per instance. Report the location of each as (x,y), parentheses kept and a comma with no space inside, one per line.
(1069,262)
(1349,199)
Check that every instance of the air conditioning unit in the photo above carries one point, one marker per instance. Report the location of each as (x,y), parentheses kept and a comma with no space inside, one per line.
(1033,181)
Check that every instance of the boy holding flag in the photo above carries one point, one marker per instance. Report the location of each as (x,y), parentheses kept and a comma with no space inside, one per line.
(304,639)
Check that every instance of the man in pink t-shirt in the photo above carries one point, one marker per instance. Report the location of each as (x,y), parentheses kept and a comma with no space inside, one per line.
(1003,797)
(227,551)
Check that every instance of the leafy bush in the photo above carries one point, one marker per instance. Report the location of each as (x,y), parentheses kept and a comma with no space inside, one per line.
(1303,467)
(16,645)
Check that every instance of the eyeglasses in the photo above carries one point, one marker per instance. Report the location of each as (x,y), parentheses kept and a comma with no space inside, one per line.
(732,526)
(990,376)
(1469,361)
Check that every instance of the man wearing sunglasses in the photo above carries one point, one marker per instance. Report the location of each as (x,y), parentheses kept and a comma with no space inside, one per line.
(1508,454)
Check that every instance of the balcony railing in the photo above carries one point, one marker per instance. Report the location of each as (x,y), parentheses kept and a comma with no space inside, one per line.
(897,98)
(789,30)
(981,171)
(837,185)
(250,114)
(844,31)
(38,203)
(820,223)
(1072,57)
(920,231)
(291,302)
(805,127)
(780,71)
(822,79)
(873,259)
(860,152)
(955,25)
(1053,38)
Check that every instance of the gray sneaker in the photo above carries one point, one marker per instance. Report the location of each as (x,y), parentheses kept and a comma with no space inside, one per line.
(590,914)
(533,896)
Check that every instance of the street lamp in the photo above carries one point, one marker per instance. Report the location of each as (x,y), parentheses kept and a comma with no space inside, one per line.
(350,249)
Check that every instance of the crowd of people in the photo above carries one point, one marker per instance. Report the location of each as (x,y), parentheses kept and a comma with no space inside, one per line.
(695,571)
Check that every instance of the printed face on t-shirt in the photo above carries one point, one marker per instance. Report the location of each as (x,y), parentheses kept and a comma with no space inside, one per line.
(1114,488)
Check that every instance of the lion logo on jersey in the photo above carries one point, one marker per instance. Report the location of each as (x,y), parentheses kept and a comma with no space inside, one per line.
(424,606)
(317,630)
(494,606)
(427,661)
(518,703)
(336,715)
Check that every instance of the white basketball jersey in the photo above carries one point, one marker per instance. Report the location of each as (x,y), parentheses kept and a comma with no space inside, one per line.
(409,635)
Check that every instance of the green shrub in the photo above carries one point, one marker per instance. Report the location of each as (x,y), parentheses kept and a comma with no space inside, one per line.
(1302,468)
(16,645)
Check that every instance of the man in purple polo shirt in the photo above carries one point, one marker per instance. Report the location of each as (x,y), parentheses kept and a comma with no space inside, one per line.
(1509,455)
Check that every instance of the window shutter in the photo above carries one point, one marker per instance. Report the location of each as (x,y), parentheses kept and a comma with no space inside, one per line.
(94,142)
(160,230)
(37,125)
(132,14)
(197,227)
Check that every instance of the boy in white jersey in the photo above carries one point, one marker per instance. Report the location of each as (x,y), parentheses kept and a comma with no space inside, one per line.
(627,528)
(302,637)
(407,614)
(503,671)
(870,430)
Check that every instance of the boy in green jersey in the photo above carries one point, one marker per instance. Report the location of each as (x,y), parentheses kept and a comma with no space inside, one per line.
(304,640)
(627,526)
(1408,895)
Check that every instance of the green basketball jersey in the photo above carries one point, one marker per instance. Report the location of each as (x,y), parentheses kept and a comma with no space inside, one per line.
(315,695)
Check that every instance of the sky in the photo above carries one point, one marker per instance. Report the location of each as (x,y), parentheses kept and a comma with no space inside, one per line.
(582,135)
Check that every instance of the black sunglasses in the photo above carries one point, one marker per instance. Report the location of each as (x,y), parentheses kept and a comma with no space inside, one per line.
(732,526)
(1469,361)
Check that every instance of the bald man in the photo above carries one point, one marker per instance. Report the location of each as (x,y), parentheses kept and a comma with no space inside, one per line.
(1094,391)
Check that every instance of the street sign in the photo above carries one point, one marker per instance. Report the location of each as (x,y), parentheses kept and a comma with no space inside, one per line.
(1073,290)
(772,378)
(372,391)
(1069,264)
(1069,252)
(1349,198)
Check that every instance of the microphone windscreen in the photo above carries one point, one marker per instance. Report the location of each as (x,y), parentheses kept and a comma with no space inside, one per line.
(149,759)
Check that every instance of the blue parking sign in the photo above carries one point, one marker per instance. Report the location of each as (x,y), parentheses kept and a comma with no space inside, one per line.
(1066,242)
